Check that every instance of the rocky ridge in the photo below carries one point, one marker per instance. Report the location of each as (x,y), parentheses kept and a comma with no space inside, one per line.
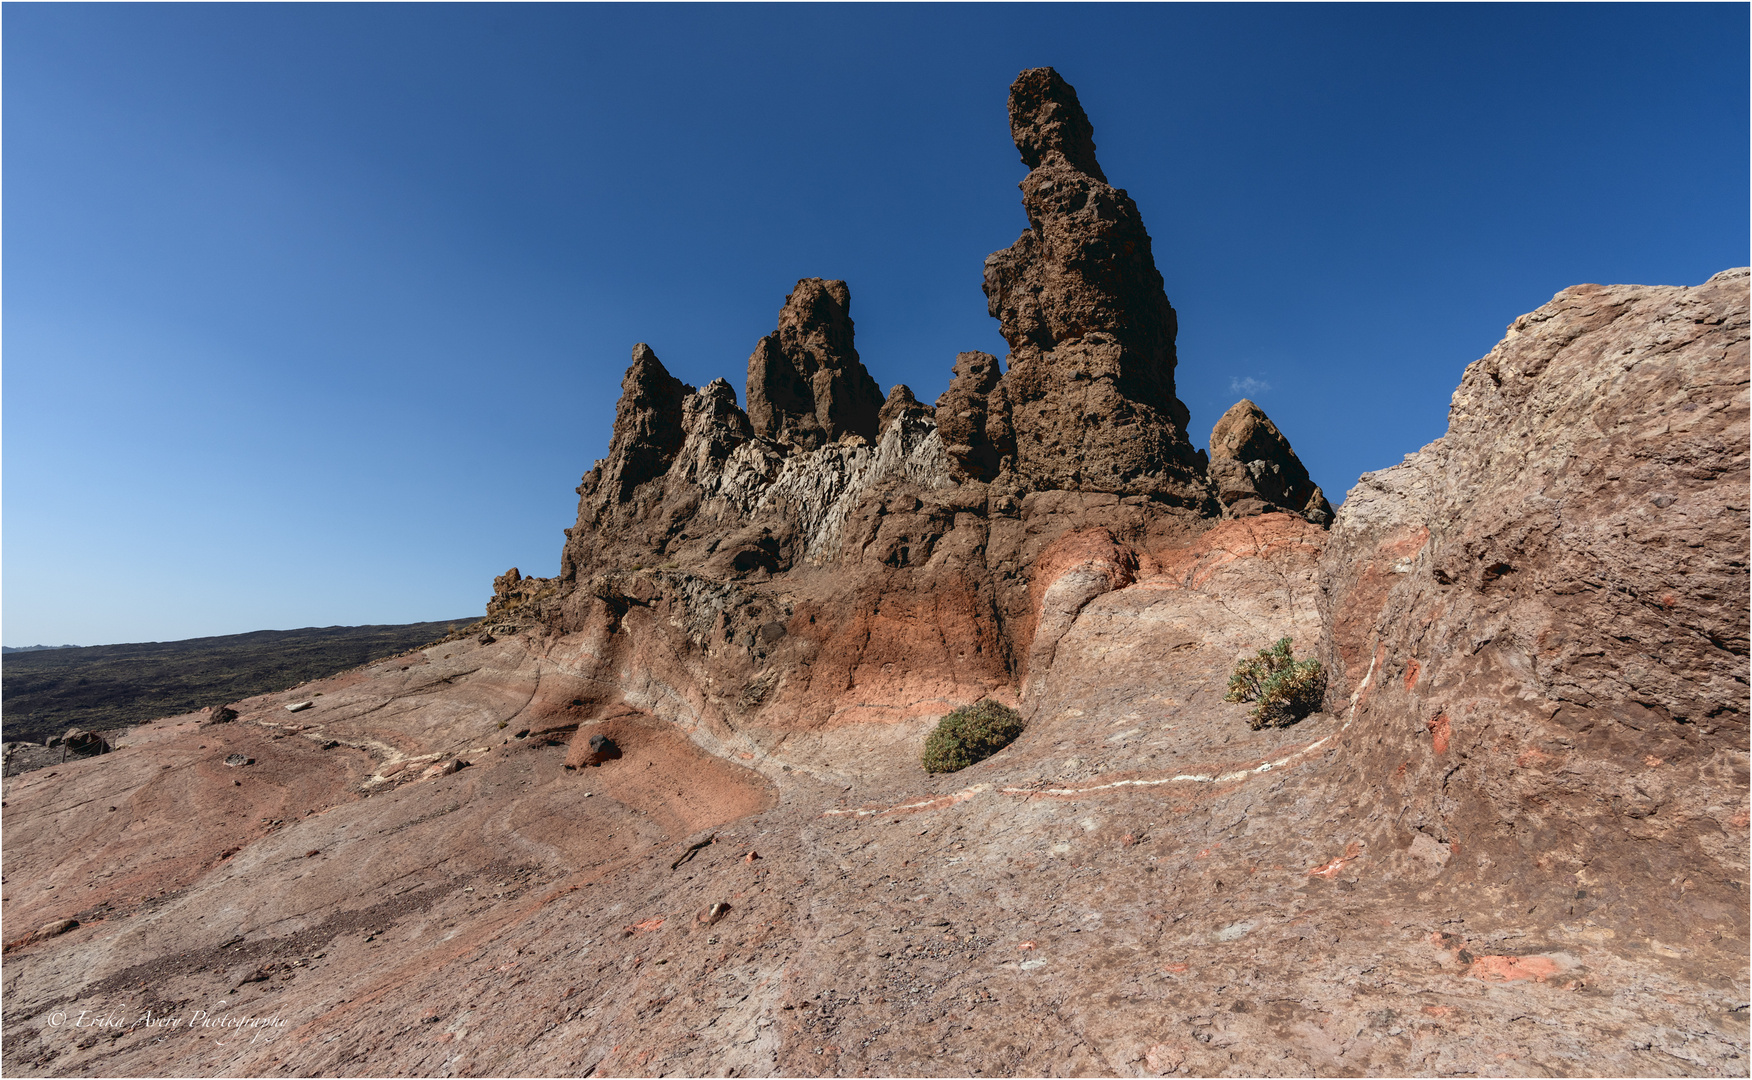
(1515,840)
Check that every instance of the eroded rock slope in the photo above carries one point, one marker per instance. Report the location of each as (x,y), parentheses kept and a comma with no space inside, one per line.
(1513,842)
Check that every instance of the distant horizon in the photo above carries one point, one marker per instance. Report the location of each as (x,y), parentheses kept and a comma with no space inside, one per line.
(241,633)
(317,314)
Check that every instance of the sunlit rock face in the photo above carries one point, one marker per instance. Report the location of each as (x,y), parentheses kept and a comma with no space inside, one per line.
(1090,380)
(1253,470)
(664,812)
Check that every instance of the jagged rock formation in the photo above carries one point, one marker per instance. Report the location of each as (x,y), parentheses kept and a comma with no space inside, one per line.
(901,405)
(888,513)
(806,386)
(973,419)
(1254,471)
(1526,796)
(1090,383)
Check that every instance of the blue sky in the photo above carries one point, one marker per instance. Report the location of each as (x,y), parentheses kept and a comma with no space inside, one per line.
(315,314)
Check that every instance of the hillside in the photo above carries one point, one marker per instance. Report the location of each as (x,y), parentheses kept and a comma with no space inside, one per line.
(100,687)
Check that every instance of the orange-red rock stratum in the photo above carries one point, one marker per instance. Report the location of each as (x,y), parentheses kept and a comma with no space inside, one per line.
(1514,840)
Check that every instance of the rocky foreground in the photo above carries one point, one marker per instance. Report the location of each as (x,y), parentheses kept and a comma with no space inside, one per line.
(1515,842)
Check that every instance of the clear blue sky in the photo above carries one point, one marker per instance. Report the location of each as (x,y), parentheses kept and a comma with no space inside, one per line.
(315,314)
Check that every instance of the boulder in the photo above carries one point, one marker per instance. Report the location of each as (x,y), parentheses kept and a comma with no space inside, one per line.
(602,748)
(81,743)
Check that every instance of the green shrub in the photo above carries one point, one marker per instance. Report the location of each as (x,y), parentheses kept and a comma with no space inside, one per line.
(1287,689)
(969,734)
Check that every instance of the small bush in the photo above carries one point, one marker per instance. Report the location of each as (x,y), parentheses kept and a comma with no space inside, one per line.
(1287,689)
(970,734)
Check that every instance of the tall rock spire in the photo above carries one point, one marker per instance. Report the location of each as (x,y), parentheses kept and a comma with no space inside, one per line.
(1090,382)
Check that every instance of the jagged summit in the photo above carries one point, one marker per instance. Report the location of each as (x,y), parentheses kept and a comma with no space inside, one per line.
(1254,471)
(806,385)
(1049,125)
(647,424)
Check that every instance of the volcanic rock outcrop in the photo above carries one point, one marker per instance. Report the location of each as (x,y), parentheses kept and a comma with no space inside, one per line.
(694,835)
(973,419)
(1543,615)
(1078,297)
(897,521)
(806,386)
(1254,471)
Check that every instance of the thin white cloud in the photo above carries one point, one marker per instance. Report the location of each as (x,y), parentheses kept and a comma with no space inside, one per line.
(1248,385)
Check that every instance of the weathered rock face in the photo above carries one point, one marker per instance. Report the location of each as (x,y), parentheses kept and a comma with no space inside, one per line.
(973,419)
(806,386)
(1254,471)
(1541,617)
(1090,384)
(901,406)
(647,425)
(693,834)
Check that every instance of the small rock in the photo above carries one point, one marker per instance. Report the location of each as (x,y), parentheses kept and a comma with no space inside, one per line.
(57,928)
(602,748)
(713,913)
(234,760)
(486,638)
(222,714)
(299,706)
